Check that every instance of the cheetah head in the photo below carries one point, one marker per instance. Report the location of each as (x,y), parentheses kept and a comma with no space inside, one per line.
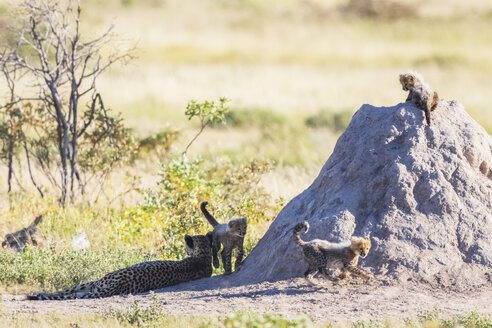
(407,81)
(410,79)
(198,246)
(361,246)
(238,227)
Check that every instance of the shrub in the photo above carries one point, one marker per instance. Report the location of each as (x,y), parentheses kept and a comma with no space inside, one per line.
(231,189)
(208,112)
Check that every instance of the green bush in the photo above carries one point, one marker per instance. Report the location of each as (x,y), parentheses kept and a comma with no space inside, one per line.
(232,189)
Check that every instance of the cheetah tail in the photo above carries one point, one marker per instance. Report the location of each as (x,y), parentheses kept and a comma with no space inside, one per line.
(297,229)
(207,214)
(56,296)
(32,298)
(37,221)
(43,297)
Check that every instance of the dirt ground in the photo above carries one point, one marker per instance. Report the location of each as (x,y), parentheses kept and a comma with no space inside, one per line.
(336,303)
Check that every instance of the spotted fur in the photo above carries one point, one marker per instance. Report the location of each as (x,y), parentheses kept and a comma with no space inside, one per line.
(145,276)
(321,255)
(230,235)
(420,94)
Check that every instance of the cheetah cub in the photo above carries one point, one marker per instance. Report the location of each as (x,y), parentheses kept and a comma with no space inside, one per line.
(19,239)
(231,236)
(321,254)
(420,94)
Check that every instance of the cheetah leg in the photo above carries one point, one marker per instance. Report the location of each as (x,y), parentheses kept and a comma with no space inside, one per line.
(427,115)
(360,272)
(345,274)
(84,290)
(309,275)
(226,260)
(435,101)
(239,258)
(215,249)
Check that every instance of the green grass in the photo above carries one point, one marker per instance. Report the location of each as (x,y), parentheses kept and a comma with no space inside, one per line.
(54,269)
(153,316)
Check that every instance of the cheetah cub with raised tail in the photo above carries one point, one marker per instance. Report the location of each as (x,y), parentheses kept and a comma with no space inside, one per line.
(231,236)
(321,255)
(419,93)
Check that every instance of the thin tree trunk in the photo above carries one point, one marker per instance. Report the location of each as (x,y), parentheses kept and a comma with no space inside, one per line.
(62,133)
(10,160)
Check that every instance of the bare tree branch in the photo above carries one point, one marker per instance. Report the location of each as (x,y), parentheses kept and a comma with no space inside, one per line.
(60,68)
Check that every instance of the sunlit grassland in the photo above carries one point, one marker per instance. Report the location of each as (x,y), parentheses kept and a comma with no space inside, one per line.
(269,56)
(288,56)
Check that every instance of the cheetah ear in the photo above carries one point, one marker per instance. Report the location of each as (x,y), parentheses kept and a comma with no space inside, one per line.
(367,235)
(189,241)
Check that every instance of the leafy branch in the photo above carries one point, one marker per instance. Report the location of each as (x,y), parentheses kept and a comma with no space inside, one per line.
(208,112)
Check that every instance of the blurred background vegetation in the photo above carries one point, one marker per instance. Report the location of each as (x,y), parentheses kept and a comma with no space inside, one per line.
(295,72)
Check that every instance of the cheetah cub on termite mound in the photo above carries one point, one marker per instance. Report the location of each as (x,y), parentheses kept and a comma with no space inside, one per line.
(419,93)
(321,255)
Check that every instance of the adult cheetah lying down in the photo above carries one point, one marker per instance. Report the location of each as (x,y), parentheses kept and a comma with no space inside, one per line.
(145,276)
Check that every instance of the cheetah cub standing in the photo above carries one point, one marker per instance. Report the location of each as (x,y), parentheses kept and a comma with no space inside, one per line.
(231,236)
(321,254)
(419,93)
